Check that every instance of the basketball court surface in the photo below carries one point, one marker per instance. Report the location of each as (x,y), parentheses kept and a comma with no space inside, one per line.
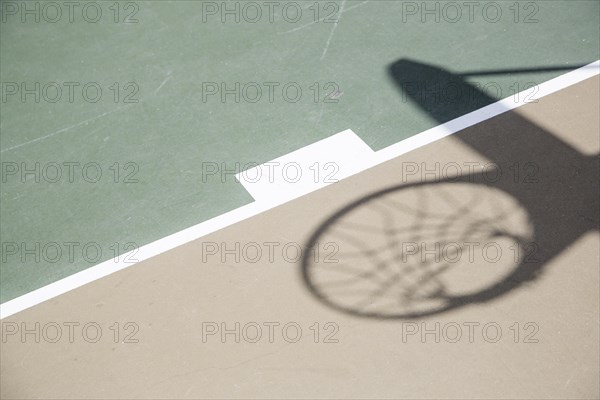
(309,199)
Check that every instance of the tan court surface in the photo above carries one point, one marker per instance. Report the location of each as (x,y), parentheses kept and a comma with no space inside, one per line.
(549,341)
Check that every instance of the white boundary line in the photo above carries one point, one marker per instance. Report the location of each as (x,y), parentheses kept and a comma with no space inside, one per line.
(157,247)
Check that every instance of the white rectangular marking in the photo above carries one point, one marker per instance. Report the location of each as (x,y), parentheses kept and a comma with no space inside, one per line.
(307,169)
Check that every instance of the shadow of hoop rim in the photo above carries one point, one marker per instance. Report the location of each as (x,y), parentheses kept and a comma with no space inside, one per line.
(520,274)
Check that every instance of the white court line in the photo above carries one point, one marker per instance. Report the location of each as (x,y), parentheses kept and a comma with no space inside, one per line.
(197,231)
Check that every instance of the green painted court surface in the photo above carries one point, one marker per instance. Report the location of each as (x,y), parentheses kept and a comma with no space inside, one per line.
(175,53)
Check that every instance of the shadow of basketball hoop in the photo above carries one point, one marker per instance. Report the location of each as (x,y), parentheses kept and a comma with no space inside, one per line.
(420,249)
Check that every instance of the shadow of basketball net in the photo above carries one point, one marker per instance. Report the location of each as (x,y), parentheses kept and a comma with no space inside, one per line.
(420,249)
